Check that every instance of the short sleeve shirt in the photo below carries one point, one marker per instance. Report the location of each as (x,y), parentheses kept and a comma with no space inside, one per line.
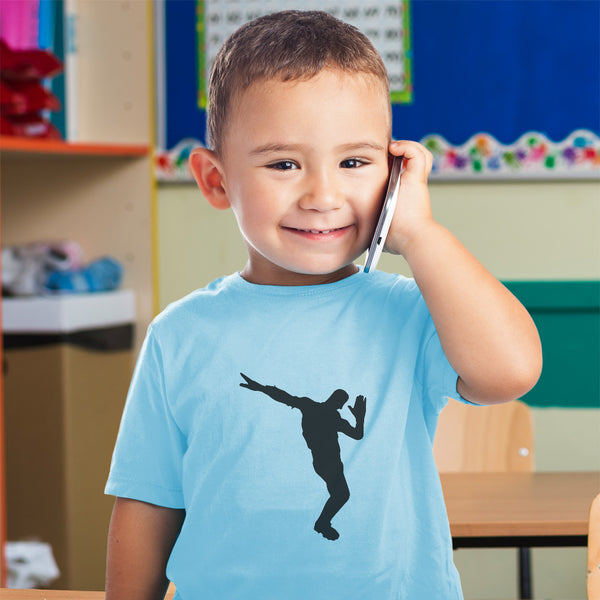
(256,473)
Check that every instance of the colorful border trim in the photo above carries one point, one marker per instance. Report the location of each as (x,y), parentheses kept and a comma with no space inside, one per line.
(172,165)
(533,156)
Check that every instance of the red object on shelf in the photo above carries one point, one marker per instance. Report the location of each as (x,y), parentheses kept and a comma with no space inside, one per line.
(31,125)
(22,97)
(11,100)
(28,64)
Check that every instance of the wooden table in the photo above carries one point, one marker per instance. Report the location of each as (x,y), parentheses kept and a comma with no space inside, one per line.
(519,509)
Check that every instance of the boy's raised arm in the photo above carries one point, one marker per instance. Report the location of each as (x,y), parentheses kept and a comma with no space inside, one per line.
(486,333)
(140,540)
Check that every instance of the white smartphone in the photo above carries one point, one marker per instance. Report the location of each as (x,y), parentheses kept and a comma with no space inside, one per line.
(387,213)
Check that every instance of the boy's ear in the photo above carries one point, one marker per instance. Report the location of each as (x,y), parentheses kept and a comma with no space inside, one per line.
(206,168)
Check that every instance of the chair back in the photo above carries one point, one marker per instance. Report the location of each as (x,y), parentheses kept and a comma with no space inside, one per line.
(593,557)
(495,438)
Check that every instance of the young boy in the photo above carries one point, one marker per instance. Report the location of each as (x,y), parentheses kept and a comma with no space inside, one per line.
(231,477)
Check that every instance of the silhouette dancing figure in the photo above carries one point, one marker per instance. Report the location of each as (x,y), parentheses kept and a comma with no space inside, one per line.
(321,422)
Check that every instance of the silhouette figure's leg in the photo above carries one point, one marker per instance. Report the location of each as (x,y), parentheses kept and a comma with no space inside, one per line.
(339,494)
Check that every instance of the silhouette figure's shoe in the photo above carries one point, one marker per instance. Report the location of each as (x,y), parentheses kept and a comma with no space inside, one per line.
(326,530)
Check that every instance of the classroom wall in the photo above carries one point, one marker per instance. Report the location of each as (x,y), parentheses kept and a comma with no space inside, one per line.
(520,231)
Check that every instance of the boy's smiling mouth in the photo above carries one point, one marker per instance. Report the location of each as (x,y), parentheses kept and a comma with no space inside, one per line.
(331,233)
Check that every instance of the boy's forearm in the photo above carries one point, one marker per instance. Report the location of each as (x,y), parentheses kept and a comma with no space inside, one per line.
(140,540)
(487,335)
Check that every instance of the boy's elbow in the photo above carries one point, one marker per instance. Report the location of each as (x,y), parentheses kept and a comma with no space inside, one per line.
(508,383)
(529,368)
(523,370)
(522,360)
(525,377)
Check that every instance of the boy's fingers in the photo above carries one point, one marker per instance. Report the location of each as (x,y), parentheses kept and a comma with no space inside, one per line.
(416,155)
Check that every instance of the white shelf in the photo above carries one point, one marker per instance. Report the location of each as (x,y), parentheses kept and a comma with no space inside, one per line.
(67,313)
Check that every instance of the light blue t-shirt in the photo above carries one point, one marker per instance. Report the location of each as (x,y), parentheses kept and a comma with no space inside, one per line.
(293,487)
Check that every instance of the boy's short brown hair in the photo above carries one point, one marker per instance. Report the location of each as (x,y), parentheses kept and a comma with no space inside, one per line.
(289,45)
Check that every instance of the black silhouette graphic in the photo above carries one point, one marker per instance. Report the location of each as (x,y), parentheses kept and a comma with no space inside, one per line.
(321,422)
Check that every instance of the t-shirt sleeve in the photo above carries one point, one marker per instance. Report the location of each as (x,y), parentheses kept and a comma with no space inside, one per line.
(437,376)
(148,455)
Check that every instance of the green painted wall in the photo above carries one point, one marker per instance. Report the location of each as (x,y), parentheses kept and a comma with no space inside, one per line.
(567,315)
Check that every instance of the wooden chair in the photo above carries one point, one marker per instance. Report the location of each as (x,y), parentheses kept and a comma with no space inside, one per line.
(486,439)
(593,557)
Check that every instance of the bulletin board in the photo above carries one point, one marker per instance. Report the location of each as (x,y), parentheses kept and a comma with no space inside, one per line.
(494,88)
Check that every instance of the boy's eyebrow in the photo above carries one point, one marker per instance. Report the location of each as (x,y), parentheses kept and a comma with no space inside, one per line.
(351,146)
(366,145)
(267,148)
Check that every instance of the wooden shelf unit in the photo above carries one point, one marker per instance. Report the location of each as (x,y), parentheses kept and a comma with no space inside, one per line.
(97,190)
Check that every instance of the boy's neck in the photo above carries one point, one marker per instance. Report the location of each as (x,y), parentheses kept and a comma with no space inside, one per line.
(290,278)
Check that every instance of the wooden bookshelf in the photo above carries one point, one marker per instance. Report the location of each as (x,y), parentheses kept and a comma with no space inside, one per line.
(97,190)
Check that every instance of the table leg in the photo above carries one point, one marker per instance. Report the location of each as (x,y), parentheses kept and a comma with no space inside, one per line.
(525,592)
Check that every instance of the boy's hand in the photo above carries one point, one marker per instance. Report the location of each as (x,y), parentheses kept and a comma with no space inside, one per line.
(360,408)
(413,209)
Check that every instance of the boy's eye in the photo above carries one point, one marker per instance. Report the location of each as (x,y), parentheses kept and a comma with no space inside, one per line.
(283,165)
(352,163)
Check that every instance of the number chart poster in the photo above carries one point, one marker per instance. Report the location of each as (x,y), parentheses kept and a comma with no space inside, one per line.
(494,88)
(385,23)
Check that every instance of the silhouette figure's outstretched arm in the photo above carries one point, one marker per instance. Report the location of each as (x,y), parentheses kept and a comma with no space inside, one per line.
(358,410)
(271,391)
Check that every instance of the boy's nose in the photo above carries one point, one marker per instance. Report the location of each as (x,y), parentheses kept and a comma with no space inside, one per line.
(321,193)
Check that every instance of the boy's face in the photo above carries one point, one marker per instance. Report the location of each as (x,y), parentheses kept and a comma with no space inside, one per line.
(304,167)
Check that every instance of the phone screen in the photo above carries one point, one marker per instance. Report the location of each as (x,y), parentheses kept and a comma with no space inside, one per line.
(387,213)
